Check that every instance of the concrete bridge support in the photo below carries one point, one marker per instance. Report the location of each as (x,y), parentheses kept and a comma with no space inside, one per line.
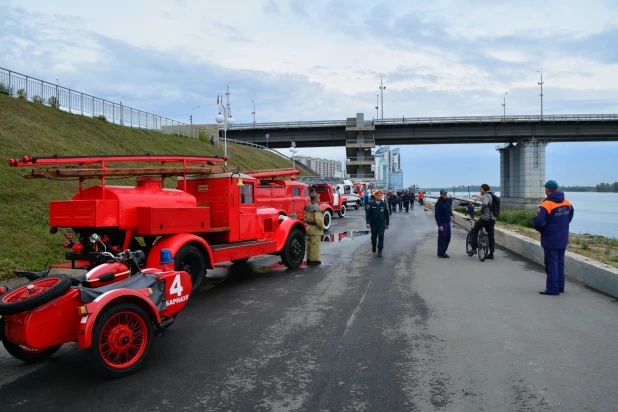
(358,145)
(522,174)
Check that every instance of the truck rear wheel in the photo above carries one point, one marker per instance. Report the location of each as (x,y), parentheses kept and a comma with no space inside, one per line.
(191,259)
(341,212)
(327,220)
(293,252)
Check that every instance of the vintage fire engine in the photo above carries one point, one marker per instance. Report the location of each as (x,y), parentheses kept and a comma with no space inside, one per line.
(210,217)
(287,196)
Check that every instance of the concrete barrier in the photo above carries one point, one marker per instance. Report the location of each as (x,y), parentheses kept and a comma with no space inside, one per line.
(597,275)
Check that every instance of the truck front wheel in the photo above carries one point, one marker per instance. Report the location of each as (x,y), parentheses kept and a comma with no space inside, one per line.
(191,259)
(293,252)
(327,220)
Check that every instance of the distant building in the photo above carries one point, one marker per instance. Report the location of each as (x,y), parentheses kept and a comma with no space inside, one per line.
(388,172)
(324,167)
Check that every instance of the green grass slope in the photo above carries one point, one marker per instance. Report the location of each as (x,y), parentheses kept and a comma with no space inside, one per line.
(28,128)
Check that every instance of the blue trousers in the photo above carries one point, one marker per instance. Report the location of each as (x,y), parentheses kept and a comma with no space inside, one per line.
(377,231)
(444,238)
(554,268)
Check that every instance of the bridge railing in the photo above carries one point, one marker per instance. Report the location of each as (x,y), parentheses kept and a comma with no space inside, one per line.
(430,120)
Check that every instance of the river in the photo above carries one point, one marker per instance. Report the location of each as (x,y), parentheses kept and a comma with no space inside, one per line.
(595,213)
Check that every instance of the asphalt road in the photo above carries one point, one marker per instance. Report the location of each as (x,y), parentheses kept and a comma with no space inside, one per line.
(406,332)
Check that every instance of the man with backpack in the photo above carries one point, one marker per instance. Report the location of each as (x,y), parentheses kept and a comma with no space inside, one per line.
(489,212)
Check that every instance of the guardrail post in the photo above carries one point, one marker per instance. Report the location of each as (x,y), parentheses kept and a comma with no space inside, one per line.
(113,113)
(27,88)
(10,94)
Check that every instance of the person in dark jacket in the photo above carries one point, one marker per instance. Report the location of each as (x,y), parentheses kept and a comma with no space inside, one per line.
(394,201)
(552,220)
(443,214)
(486,220)
(377,219)
(406,201)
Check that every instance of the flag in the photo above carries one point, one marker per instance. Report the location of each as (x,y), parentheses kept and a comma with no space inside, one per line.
(252,112)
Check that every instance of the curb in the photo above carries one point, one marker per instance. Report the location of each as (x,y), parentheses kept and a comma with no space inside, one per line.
(597,275)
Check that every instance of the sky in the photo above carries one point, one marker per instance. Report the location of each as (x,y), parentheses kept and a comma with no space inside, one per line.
(322,60)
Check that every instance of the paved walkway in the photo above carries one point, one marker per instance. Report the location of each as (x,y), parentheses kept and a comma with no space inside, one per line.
(406,332)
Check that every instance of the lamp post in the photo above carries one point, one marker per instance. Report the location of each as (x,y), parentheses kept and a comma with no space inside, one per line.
(377,106)
(504,106)
(382,96)
(191,115)
(226,120)
(293,150)
(253,113)
(541,84)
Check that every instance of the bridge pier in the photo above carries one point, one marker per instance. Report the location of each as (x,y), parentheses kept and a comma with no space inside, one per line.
(358,144)
(522,174)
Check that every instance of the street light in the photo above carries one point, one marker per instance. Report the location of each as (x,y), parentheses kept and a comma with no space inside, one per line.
(226,120)
(253,113)
(191,115)
(541,84)
(504,106)
(293,150)
(382,96)
(377,106)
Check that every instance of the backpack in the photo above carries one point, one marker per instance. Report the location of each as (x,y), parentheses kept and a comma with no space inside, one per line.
(495,205)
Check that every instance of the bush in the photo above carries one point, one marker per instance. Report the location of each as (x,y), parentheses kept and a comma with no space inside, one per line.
(5,89)
(53,102)
(518,217)
(21,93)
(101,117)
(585,245)
(38,99)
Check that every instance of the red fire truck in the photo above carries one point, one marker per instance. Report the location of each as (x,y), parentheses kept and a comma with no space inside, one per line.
(211,216)
(287,196)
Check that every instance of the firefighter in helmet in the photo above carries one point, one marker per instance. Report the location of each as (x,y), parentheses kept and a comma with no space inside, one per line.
(314,219)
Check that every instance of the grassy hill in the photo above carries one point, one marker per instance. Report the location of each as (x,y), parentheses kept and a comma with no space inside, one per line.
(28,128)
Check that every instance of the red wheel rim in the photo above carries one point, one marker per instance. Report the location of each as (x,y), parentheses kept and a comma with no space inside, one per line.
(123,340)
(30,290)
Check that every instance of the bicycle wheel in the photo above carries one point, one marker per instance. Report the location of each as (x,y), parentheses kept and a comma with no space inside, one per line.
(468,242)
(483,248)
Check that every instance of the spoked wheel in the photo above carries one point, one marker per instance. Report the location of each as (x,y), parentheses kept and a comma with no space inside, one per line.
(121,339)
(293,252)
(34,294)
(469,243)
(25,353)
(191,259)
(483,248)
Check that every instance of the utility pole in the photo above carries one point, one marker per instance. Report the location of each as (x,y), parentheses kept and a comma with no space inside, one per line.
(382,96)
(253,113)
(504,106)
(377,106)
(541,84)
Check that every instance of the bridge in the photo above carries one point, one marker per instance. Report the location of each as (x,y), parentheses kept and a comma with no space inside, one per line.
(521,139)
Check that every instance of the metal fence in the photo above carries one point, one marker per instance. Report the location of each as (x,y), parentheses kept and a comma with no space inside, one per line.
(39,91)
(270,150)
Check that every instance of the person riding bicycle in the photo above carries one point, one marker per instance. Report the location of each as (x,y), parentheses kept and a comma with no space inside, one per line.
(487,220)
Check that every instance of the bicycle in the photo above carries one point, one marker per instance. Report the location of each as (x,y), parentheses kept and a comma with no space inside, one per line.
(483,241)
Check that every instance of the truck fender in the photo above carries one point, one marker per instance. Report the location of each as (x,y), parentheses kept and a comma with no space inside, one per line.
(286,226)
(174,243)
(86,324)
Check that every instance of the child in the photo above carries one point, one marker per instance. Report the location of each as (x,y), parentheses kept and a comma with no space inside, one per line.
(471,210)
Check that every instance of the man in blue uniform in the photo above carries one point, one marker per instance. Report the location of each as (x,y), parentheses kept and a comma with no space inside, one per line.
(552,220)
(443,215)
(377,219)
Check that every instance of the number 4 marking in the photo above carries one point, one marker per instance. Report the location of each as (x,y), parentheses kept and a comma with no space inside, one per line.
(176,286)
